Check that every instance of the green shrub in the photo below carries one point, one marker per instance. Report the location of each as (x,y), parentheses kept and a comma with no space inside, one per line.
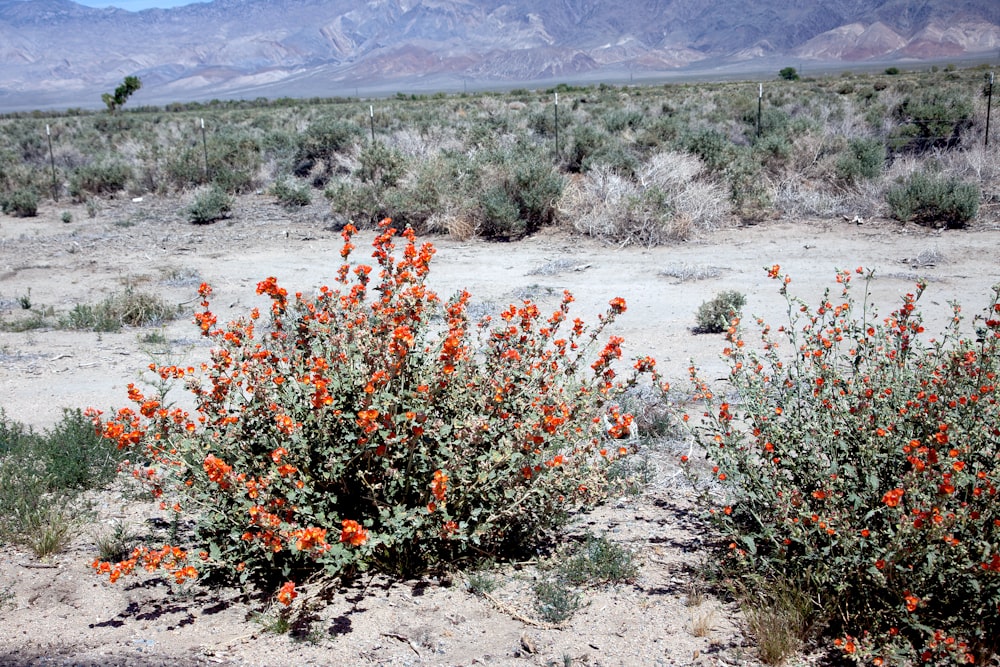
(357,202)
(344,434)
(127,308)
(661,131)
(543,123)
(856,459)
(73,456)
(556,601)
(620,120)
(500,214)
(772,122)
(789,74)
(863,159)
(322,140)
(586,142)
(41,473)
(933,200)
(380,166)
(599,561)
(747,185)
(21,203)
(935,118)
(773,150)
(617,156)
(103,178)
(210,205)
(716,315)
(234,158)
(713,147)
(518,194)
(291,195)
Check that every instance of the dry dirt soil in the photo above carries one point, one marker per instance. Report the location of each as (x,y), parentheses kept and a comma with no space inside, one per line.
(56,612)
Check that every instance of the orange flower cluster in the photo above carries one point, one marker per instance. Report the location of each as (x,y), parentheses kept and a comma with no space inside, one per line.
(287,593)
(173,560)
(352,533)
(870,450)
(309,539)
(360,397)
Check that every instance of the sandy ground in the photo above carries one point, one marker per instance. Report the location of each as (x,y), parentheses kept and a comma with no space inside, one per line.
(58,613)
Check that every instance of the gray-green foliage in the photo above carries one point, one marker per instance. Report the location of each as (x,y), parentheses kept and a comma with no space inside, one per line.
(209,206)
(291,195)
(43,472)
(380,166)
(714,315)
(130,307)
(234,158)
(435,158)
(321,142)
(99,178)
(22,203)
(934,200)
(863,159)
(520,195)
(600,561)
(556,601)
(932,118)
(374,192)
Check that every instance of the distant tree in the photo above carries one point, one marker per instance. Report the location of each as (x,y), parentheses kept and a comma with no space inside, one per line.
(789,74)
(892,71)
(116,100)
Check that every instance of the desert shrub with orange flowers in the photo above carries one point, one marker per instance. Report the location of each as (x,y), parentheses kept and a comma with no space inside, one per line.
(371,425)
(857,461)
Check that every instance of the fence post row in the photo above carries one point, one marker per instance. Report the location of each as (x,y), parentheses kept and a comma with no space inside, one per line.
(557,123)
(760,98)
(371,116)
(989,104)
(52,164)
(204,146)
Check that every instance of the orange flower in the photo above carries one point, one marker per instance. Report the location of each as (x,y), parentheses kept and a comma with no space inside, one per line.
(352,533)
(310,538)
(439,485)
(892,498)
(217,469)
(448,529)
(287,593)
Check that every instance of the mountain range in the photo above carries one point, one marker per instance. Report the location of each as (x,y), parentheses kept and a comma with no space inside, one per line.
(57,52)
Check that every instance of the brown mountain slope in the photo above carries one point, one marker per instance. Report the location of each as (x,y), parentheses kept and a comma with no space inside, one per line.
(56,51)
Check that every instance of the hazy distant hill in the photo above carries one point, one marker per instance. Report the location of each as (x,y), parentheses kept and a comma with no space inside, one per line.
(59,52)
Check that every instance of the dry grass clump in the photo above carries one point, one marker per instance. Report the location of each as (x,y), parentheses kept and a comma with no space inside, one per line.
(780,623)
(685,272)
(668,201)
(457,227)
(926,257)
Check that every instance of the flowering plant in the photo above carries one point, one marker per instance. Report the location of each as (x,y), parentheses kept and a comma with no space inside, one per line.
(377,427)
(860,461)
